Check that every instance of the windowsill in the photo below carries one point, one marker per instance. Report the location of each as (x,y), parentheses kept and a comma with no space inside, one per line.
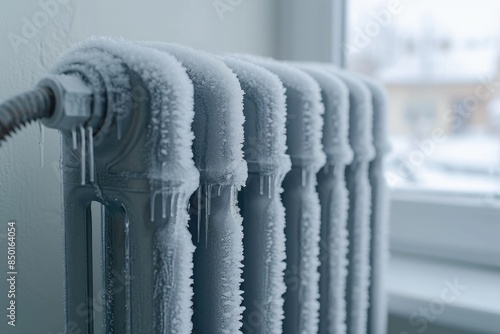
(442,236)
(416,282)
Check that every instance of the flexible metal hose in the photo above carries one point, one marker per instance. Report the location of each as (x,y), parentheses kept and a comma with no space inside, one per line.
(25,108)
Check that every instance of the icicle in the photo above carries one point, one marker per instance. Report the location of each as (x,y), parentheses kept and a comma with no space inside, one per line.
(75,139)
(219,189)
(164,197)
(91,153)
(209,198)
(41,142)
(261,184)
(199,211)
(269,186)
(208,204)
(153,200)
(83,152)
(304,176)
(173,205)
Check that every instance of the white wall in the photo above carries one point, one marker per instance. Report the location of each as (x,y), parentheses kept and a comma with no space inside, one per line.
(311,30)
(30,194)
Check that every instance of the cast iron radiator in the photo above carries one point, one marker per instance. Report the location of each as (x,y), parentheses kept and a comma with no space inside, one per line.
(239,194)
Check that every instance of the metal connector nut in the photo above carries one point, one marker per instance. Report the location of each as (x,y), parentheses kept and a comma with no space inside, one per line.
(73,101)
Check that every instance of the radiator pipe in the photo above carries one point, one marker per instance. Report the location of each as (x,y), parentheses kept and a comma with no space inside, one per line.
(25,108)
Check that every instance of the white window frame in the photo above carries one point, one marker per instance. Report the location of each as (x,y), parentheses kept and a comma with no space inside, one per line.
(445,226)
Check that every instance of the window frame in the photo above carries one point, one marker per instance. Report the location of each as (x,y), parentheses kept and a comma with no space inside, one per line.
(445,226)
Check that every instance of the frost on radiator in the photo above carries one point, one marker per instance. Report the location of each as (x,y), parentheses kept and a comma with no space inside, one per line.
(171,171)
(218,120)
(304,133)
(358,185)
(333,198)
(265,117)
(260,200)
(304,113)
(218,155)
(378,312)
(361,116)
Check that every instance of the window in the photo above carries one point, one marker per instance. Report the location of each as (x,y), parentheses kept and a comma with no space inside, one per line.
(440,63)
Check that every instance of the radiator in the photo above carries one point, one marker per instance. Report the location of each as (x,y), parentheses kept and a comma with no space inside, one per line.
(240,194)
